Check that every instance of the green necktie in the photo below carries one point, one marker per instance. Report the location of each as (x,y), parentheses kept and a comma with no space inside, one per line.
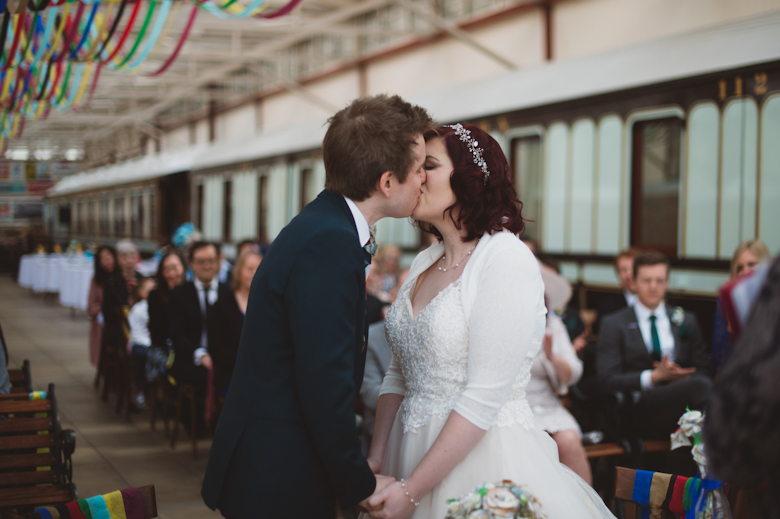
(654,337)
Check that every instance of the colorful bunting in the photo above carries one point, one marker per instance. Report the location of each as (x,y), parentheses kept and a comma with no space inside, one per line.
(52,50)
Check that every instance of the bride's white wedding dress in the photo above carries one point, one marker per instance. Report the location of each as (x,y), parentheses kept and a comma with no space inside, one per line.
(445,361)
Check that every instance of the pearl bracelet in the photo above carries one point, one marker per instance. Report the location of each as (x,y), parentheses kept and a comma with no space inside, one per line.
(403,485)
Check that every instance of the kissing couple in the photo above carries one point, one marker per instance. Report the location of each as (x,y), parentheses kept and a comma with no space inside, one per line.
(464,331)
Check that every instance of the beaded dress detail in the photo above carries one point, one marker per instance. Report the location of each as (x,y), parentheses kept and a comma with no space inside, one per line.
(433,350)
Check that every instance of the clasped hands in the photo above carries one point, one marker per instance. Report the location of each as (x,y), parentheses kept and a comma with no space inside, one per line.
(668,371)
(389,500)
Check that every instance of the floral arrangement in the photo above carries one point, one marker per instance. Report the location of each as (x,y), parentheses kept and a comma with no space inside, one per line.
(505,500)
(709,500)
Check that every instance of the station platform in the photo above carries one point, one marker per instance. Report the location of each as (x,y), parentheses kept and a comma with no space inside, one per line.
(111,453)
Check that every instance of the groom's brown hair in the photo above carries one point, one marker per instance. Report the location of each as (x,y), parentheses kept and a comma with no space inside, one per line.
(370,136)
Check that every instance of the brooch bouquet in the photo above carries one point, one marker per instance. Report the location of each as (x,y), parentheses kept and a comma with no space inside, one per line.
(506,500)
(707,498)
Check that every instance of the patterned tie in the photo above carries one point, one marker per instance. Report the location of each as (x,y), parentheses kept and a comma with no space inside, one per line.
(370,249)
(655,339)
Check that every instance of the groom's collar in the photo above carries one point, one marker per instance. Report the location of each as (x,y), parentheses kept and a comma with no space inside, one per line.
(364,233)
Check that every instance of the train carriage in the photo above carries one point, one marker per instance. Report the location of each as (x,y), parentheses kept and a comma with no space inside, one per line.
(672,145)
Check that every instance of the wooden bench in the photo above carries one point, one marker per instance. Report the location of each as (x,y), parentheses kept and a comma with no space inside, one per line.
(21,381)
(604,450)
(35,453)
(148,497)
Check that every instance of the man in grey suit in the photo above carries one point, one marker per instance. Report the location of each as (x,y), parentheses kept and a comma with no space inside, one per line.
(654,349)
(378,359)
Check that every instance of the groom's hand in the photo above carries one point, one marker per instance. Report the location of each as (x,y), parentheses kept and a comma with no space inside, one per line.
(381,483)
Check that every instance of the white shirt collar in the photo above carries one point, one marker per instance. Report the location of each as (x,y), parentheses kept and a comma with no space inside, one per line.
(199,283)
(364,233)
(631,299)
(643,313)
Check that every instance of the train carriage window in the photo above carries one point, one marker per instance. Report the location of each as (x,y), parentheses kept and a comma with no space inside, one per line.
(527,162)
(262,208)
(305,187)
(655,188)
(119,216)
(91,227)
(76,218)
(201,195)
(227,207)
(104,217)
(153,215)
(138,215)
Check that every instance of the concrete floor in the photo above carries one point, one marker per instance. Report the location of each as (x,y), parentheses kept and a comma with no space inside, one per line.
(111,454)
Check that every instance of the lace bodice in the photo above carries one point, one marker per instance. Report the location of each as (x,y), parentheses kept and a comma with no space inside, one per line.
(431,351)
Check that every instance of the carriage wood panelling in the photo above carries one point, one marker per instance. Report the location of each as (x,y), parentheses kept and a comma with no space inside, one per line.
(608,185)
(769,191)
(213,195)
(244,221)
(701,188)
(739,172)
(554,190)
(581,193)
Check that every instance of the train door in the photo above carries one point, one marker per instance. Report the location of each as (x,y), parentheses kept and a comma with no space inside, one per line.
(174,205)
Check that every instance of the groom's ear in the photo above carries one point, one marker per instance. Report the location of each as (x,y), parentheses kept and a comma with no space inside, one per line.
(386,183)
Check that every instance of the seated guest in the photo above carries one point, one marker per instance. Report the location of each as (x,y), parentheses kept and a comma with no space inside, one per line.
(227,319)
(105,265)
(128,256)
(624,266)
(741,431)
(140,340)
(554,370)
(189,311)
(5,380)
(377,300)
(747,257)
(170,274)
(378,356)
(387,257)
(654,349)
(115,301)
(247,245)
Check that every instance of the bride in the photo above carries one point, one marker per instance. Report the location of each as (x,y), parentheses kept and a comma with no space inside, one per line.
(464,331)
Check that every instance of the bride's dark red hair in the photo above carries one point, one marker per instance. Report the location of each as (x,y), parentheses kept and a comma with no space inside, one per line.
(479,207)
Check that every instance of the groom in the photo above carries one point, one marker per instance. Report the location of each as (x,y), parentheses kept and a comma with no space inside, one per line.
(286,444)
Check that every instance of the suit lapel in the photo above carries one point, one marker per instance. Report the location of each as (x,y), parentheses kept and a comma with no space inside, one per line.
(679,355)
(196,308)
(635,336)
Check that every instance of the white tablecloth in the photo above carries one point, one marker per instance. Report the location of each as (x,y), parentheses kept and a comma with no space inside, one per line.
(26,270)
(69,275)
(76,274)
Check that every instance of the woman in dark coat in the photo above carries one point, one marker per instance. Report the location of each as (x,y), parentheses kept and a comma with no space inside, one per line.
(170,274)
(226,320)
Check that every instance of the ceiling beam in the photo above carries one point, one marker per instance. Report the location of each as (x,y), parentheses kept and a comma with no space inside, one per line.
(453,30)
(262,51)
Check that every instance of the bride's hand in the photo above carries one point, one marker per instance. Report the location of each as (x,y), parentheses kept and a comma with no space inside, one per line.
(391,503)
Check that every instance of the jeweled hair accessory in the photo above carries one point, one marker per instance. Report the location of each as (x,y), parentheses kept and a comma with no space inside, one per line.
(473,145)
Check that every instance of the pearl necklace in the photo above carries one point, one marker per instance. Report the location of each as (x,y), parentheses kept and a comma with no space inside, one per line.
(457,264)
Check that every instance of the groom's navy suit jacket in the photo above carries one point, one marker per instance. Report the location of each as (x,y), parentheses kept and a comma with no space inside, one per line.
(286,443)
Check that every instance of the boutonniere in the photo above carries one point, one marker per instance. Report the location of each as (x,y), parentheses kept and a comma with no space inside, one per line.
(632,326)
(678,316)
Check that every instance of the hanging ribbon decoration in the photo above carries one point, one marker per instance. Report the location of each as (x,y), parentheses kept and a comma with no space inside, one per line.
(175,54)
(53,62)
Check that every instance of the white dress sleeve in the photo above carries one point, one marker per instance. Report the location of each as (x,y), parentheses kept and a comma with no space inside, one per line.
(394,382)
(505,329)
(562,347)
